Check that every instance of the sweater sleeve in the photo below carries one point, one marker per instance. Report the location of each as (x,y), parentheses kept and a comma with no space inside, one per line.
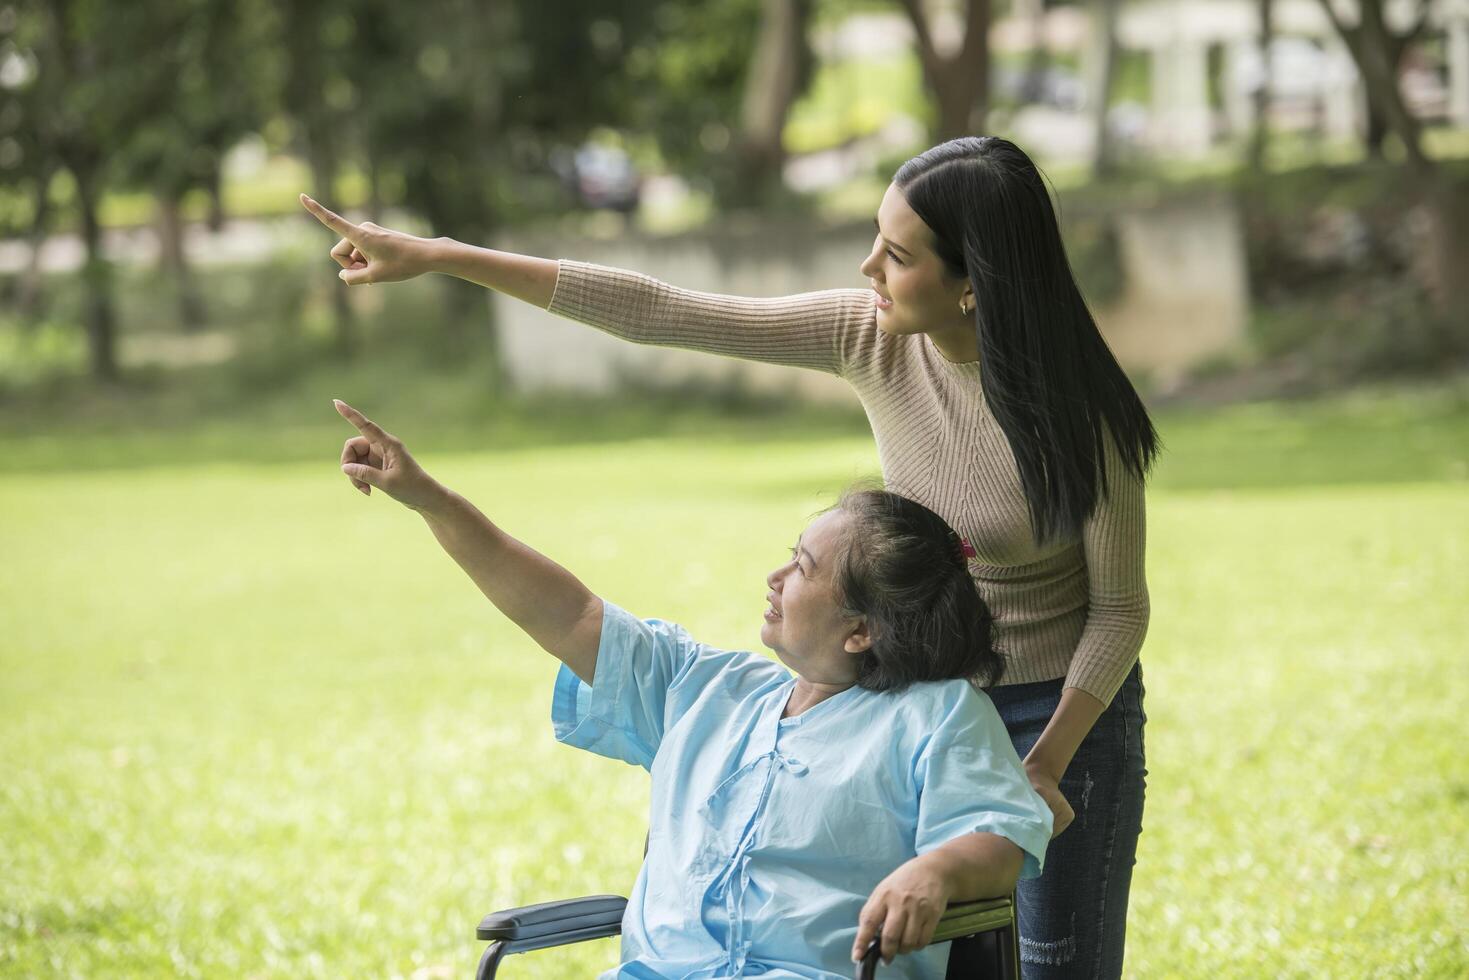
(1117,592)
(822,331)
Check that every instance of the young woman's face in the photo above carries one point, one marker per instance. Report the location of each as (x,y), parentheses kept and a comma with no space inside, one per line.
(805,623)
(915,292)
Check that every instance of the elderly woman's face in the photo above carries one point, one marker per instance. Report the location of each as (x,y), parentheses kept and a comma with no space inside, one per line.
(805,623)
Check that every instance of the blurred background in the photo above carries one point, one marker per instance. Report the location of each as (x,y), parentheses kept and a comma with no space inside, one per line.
(253,725)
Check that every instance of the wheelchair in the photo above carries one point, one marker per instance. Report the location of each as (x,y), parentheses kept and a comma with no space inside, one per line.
(985,940)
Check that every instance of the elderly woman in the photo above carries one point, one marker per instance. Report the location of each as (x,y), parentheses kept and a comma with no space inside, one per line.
(796,815)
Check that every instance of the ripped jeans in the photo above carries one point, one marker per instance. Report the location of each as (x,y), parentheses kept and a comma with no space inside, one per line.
(1073,918)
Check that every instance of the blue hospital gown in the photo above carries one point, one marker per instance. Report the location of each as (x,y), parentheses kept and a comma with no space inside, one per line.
(767,834)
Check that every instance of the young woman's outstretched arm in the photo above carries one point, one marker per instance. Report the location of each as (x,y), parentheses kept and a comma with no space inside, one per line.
(370,253)
(822,331)
(545,600)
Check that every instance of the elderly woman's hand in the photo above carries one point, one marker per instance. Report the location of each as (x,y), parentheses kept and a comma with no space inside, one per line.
(904,909)
(370,253)
(376,459)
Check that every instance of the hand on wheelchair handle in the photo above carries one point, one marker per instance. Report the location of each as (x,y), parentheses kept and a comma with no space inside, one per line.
(903,911)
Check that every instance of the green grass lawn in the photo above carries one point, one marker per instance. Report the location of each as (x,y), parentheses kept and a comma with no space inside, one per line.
(253,724)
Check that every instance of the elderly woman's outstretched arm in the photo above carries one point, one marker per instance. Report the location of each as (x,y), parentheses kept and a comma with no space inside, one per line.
(550,604)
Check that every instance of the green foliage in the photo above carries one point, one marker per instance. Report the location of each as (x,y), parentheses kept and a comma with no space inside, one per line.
(1096,259)
(1134,78)
(258,725)
(213,51)
(701,52)
(1336,258)
(452,109)
(854,98)
(1374,328)
(37,353)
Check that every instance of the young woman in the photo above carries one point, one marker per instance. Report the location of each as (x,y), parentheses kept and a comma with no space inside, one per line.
(995,403)
(794,819)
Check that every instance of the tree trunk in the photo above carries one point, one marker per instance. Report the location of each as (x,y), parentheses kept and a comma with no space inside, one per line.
(1038,62)
(1376,135)
(1396,47)
(959,83)
(1372,48)
(323,176)
(319,127)
(779,71)
(1260,135)
(215,189)
(958,105)
(97,278)
(491,26)
(1377,52)
(30,299)
(1104,58)
(374,187)
(1447,204)
(471,327)
(174,262)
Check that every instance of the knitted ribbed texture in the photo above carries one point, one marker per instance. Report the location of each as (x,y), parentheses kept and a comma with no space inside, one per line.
(1076,607)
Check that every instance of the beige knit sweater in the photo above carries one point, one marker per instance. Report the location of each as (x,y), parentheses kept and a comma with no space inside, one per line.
(1076,608)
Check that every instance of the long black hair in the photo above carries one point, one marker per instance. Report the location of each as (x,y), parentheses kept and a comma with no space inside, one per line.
(904,568)
(1050,379)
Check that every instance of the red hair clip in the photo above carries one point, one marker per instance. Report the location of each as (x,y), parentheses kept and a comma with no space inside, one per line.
(967,548)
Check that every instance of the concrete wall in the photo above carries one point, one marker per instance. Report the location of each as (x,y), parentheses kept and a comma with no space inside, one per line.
(1186,299)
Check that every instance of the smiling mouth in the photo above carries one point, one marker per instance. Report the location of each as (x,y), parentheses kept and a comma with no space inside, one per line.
(771,613)
(883,303)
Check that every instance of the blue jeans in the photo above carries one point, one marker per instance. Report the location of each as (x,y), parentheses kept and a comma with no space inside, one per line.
(1073,918)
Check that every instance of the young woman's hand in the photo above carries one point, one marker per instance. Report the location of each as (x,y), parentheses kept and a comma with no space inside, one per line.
(904,909)
(370,253)
(1049,789)
(376,459)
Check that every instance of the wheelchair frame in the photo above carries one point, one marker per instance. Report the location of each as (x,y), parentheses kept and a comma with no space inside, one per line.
(985,939)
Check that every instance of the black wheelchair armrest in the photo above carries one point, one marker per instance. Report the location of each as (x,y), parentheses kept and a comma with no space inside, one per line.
(959,921)
(554,923)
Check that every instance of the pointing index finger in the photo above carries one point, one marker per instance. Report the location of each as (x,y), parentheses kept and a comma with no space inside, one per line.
(364,425)
(330,218)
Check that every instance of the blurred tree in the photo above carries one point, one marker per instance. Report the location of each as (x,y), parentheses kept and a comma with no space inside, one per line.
(215,52)
(780,71)
(1376,51)
(959,80)
(459,106)
(454,106)
(317,94)
(91,92)
(1260,134)
(683,79)
(1104,57)
(27,161)
(1038,59)
(1394,46)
